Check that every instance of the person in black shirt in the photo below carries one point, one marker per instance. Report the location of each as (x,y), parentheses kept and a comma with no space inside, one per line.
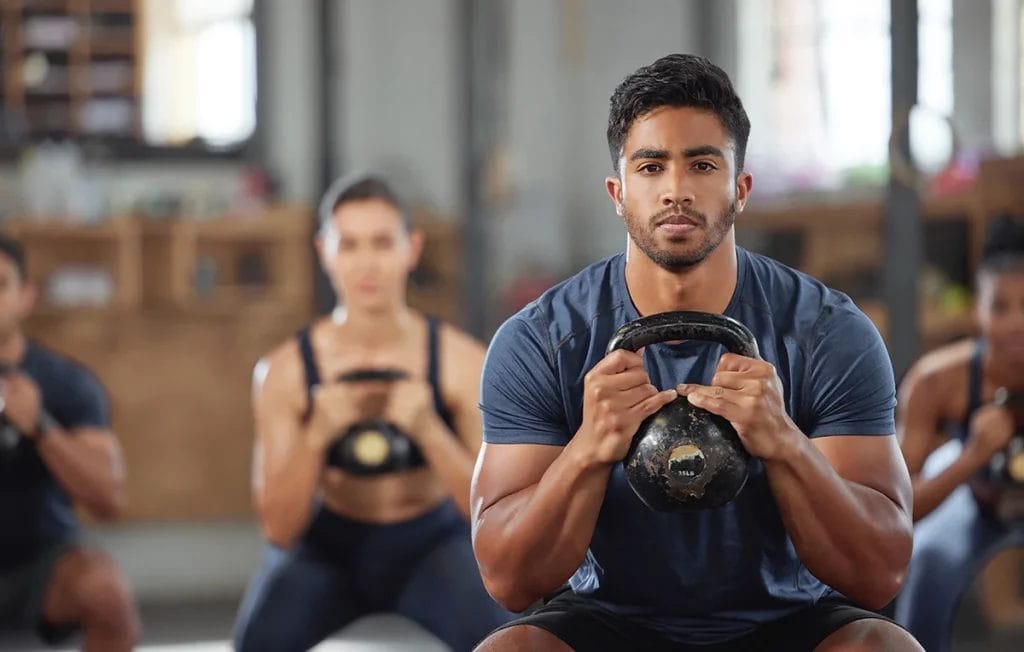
(56,451)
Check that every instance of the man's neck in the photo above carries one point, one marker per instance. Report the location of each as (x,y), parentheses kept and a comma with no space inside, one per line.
(706,287)
(12,347)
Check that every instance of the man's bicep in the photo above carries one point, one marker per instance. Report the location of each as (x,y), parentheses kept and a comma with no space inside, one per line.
(505,469)
(98,438)
(520,397)
(87,406)
(850,386)
(872,461)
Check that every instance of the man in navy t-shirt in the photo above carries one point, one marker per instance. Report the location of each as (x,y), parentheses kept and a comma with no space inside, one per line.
(56,449)
(820,534)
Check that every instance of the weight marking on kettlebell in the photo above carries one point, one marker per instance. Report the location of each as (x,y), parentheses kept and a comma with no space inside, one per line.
(370,448)
(686,460)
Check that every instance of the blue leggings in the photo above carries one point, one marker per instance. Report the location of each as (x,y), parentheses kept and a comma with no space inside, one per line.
(342,569)
(951,546)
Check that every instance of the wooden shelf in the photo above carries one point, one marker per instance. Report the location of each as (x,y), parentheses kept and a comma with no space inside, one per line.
(90,38)
(843,241)
(177,365)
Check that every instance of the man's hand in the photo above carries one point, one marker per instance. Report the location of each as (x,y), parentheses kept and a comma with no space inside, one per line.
(990,430)
(22,402)
(748,393)
(617,396)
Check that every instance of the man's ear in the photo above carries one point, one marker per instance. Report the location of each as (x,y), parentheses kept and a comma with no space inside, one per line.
(613,186)
(744,183)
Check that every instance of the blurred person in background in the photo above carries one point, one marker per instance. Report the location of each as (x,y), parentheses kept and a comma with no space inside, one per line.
(347,541)
(56,451)
(966,505)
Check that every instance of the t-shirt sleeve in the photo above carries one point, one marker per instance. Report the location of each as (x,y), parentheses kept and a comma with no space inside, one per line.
(83,403)
(849,382)
(520,400)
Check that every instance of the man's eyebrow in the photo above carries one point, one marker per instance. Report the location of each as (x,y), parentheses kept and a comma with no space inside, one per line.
(644,152)
(703,150)
(690,152)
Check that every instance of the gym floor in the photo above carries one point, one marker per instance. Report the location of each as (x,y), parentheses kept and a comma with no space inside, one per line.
(205,627)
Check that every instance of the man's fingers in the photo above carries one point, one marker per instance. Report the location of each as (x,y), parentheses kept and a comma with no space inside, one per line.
(635,395)
(735,362)
(625,380)
(651,405)
(618,361)
(717,400)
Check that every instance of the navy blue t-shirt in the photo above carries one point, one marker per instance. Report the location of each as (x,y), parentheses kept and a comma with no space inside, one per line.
(35,512)
(702,576)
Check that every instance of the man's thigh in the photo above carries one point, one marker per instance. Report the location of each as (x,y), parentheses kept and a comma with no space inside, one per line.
(830,626)
(575,622)
(85,587)
(23,589)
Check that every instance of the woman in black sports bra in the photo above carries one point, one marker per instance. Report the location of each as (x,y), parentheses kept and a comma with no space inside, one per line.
(367,430)
(962,505)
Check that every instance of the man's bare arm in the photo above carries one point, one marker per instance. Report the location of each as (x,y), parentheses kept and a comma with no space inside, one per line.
(845,501)
(87,463)
(534,511)
(535,506)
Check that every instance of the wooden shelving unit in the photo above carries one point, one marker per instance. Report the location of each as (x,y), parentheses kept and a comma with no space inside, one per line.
(175,349)
(842,244)
(71,68)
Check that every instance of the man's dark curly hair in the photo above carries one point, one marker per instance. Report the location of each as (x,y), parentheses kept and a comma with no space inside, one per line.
(680,80)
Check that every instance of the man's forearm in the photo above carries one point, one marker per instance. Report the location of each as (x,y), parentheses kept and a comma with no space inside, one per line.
(90,473)
(852,537)
(529,543)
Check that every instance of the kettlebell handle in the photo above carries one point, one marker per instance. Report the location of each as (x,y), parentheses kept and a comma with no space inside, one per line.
(371,375)
(685,325)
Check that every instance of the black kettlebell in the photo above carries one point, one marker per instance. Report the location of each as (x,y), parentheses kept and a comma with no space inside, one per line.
(10,437)
(373,446)
(683,457)
(1007,466)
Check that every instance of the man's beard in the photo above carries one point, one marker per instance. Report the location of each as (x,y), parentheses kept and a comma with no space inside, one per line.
(714,232)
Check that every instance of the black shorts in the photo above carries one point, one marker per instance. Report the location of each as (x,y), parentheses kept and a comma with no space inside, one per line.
(584,627)
(22,589)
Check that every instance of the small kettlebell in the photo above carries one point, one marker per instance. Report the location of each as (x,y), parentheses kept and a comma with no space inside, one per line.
(1007,466)
(373,446)
(683,457)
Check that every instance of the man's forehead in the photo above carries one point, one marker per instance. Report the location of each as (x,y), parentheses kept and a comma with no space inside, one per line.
(679,120)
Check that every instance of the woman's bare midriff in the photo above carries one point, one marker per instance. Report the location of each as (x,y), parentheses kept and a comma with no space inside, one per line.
(389,498)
